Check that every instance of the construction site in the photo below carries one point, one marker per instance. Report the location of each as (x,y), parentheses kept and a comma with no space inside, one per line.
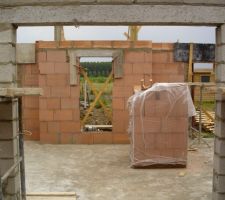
(142,121)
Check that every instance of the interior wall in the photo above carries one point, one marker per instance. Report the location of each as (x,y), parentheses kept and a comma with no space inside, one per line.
(58,109)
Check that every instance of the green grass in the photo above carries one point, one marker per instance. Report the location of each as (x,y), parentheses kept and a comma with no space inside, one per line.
(206,105)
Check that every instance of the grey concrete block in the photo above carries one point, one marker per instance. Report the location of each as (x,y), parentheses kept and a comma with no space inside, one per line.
(219,164)
(219,146)
(220,109)
(9,149)
(5,164)
(218,196)
(220,54)
(220,128)
(7,53)
(7,33)
(220,72)
(9,129)
(13,185)
(220,34)
(7,73)
(25,53)
(9,110)
(114,15)
(219,183)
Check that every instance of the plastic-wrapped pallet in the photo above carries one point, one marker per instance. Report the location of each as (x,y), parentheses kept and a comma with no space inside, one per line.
(158,125)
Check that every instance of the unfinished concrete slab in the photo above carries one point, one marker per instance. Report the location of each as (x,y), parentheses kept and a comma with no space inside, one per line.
(99,172)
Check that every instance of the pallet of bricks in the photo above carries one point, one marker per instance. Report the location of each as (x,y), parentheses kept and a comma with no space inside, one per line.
(158,125)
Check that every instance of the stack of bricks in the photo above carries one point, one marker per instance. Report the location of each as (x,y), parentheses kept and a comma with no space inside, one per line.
(159,126)
(59,107)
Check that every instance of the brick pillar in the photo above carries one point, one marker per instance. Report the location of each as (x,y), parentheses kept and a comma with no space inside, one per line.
(219,151)
(8,112)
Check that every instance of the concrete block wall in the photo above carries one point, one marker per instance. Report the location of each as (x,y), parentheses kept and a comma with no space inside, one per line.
(59,114)
(219,151)
(9,152)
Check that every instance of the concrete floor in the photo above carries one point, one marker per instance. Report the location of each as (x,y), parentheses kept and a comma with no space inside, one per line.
(102,172)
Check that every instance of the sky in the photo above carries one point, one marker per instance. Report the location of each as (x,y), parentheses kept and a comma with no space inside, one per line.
(181,34)
(155,33)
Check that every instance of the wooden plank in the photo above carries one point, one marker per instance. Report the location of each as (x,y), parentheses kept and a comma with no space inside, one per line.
(190,66)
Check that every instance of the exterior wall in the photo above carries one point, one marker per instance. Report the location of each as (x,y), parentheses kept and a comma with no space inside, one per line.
(59,114)
(207,95)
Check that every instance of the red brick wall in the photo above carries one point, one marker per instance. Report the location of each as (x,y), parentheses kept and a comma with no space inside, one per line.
(57,111)
(29,78)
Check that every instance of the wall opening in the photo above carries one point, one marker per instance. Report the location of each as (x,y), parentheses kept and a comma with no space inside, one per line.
(96,84)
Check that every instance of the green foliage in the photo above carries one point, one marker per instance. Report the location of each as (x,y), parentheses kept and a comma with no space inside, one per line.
(97,69)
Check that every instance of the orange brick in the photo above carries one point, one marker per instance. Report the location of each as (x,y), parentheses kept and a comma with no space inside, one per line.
(31,125)
(46,68)
(41,56)
(102,44)
(176,78)
(160,57)
(134,57)
(30,80)
(102,138)
(57,80)
(56,56)
(43,103)
(75,91)
(118,103)
(76,114)
(120,138)
(118,82)
(175,125)
(43,127)
(142,68)
(121,44)
(34,137)
(30,114)
(46,91)
(143,44)
(50,138)
(68,103)
(151,125)
(62,68)
(63,115)
(83,44)
(53,127)
(70,126)
(31,102)
(119,125)
(42,80)
(53,103)
(66,138)
(148,57)
(83,138)
(167,46)
(35,69)
(46,115)
(118,92)
(159,68)
(60,91)
(128,69)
